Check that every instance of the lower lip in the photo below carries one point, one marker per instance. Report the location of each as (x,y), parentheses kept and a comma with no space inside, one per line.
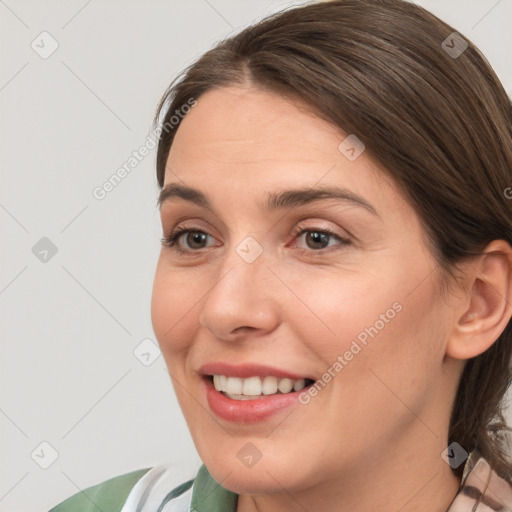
(247,411)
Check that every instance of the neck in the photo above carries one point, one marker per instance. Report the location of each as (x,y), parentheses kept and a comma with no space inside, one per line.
(398,479)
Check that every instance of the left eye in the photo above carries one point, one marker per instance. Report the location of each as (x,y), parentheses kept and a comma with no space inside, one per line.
(319,239)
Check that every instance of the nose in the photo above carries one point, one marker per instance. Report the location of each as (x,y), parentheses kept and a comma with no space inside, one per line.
(241,302)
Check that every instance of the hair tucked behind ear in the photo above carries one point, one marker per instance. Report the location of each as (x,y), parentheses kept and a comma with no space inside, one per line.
(440,124)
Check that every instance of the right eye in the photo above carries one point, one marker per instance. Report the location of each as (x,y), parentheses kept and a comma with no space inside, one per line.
(194,238)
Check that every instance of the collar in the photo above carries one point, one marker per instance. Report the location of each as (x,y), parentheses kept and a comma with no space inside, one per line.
(480,484)
(207,494)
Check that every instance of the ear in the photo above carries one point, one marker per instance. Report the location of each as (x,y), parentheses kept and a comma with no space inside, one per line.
(486,307)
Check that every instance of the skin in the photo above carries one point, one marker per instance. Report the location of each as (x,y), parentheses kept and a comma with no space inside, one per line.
(372,438)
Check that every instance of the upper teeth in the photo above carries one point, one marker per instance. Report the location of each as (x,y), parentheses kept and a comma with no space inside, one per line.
(253,386)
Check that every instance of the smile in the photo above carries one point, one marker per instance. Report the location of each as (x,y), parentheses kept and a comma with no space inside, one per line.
(252,388)
(250,392)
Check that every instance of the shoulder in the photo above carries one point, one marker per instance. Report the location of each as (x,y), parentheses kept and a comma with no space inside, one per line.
(481,484)
(108,496)
(144,490)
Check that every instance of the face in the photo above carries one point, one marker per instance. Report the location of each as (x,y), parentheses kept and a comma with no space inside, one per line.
(340,290)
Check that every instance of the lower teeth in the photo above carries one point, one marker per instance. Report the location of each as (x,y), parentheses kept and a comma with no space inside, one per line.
(248,397)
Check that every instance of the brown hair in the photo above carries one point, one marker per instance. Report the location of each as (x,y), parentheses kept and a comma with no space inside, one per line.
(439,123)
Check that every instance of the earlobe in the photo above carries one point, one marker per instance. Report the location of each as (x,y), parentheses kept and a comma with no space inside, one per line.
(486,307)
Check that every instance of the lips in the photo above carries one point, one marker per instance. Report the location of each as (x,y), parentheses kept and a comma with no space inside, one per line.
(247,411)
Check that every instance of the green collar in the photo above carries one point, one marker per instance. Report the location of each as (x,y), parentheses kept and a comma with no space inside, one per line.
(209,495)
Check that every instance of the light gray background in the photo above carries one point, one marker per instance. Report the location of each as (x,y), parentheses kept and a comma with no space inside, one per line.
(69,326)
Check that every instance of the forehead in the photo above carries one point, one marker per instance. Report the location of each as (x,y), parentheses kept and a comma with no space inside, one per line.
(253,125)
(250,135)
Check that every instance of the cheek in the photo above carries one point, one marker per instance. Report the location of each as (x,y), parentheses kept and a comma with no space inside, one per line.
(174,303)
(401,364)
(341,307)
(373,322)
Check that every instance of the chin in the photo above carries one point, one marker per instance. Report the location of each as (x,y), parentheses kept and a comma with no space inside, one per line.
(268,475)
(253,480)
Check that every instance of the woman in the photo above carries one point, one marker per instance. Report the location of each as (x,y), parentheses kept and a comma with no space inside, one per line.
(334,291)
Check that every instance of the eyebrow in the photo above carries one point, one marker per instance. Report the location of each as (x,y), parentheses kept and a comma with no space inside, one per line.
(275,200)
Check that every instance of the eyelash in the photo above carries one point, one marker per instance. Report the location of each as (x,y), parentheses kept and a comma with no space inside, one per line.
(171,240)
